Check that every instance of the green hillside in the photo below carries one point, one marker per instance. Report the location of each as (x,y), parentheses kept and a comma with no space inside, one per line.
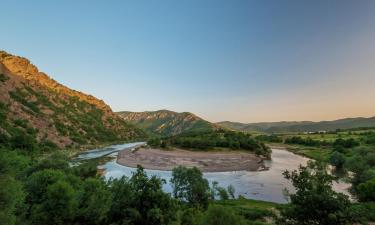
(36,110)
(300,126)
(167,123)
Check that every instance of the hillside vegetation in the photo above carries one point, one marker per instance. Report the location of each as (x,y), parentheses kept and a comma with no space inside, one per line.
(300,126)
(167,123)
(36,110)
(213,140)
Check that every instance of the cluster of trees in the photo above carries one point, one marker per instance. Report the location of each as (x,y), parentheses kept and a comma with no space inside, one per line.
(314,201)
(306,141)
(213,139)
(359,158)
(269,138)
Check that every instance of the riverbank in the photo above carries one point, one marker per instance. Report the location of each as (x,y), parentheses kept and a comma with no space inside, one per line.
(309,152)
(166,160)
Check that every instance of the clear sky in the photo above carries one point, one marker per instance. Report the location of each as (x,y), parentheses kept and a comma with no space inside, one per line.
(235,60)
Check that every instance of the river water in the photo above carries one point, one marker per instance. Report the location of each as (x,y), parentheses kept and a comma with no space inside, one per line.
(266,185)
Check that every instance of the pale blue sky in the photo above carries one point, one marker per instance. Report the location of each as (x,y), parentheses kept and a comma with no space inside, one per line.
(223,60)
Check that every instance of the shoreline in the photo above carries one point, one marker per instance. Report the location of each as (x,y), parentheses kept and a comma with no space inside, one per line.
(213,161)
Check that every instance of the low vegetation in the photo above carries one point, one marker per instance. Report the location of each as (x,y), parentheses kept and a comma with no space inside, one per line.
(219,139)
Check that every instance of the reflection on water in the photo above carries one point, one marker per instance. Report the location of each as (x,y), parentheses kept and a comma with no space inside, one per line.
(261,185)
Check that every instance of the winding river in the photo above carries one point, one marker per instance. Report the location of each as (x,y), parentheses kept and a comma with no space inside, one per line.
(266,185)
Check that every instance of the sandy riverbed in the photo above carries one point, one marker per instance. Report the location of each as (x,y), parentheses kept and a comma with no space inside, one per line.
(206,161)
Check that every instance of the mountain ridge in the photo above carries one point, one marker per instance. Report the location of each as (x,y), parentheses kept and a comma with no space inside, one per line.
(301,126)
(32,101)
(167,123)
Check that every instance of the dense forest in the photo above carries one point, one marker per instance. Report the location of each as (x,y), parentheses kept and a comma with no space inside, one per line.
(217,139)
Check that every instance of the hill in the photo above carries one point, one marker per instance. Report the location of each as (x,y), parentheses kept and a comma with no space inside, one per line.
(302,126)
(167,123)
(37,110)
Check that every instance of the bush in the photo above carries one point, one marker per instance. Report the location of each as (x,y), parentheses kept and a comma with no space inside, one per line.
(219,215)
(345,143)
(366,191)
(3,77)
(337,159)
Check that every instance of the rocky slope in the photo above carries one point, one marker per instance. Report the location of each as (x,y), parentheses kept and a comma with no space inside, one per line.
(300,126)
(34,106)
(167,123)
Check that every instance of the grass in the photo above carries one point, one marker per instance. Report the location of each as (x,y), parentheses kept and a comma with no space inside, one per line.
(254,211)
(248,204)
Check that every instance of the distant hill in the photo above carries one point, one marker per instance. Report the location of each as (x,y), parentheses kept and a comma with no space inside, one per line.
(167,123)
(302,126)
(38,110)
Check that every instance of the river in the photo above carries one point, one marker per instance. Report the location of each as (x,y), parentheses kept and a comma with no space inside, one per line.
(268,185)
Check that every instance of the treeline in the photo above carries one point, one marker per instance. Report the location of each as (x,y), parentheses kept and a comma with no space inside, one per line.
(50,192)
(305,141)
(355,155)
(213,139)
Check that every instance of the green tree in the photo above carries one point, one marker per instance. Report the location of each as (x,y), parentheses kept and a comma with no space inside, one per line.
(140,200)
(59,206)
(337,159)
(94,201)
(190,186)
(314,201)
(223,193)
(231,191)
(11,196)
(366,190)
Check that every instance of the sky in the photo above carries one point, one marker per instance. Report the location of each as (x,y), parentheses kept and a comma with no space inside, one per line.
(245,61)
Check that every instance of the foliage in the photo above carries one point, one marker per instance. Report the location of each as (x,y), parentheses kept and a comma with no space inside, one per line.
(11,197)
(269,138)
(191,216)
(366,190)
(95,201)
(213,139)
(231,191)
(141,200)
(337,159)
(219,215)
(345,143)
(3,77)
(314,189)
(190,186)
(305,141)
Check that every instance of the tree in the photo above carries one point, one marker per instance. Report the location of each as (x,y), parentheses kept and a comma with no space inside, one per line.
(11,196)
(190,186)
(366,191)
(58,207)
(231,191)
(223,193)
(94,201)
(337,159)
(213,190)
(141,200)
(314,201)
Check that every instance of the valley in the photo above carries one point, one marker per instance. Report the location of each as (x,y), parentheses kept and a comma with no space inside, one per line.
(46,129)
